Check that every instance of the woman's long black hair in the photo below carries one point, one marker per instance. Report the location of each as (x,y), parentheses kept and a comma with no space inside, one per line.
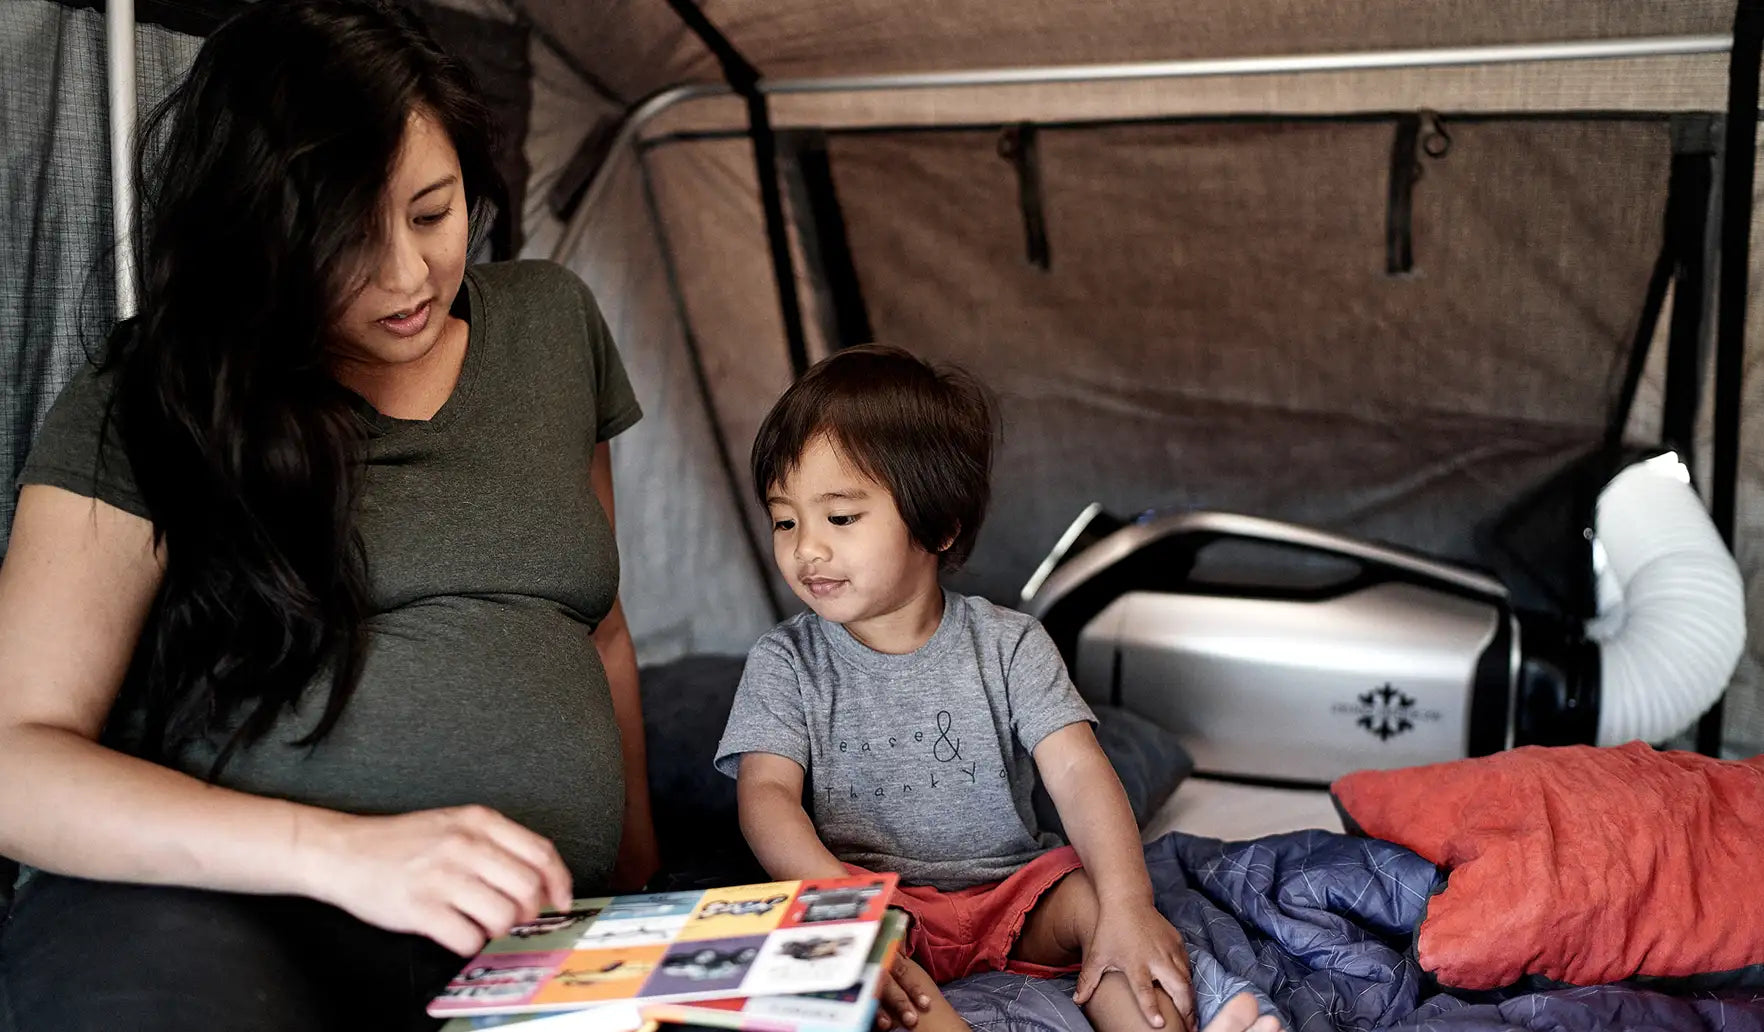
(261,181)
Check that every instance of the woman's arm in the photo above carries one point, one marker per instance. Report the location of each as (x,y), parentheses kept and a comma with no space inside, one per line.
(78,580)
(639,855)
(777,828)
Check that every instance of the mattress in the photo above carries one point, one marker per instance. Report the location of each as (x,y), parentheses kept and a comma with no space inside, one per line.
(1233,811)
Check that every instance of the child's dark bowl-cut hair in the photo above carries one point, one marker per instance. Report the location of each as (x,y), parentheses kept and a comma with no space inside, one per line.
(924,432)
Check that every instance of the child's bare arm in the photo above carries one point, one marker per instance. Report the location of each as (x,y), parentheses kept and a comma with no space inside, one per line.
(1093,806)
(1129,936)
(777,828)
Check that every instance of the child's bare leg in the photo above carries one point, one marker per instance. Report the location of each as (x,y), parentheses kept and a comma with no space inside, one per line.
(907,994)
(1055,936)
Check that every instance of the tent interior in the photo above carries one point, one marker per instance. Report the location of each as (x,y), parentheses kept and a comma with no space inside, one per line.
(1411,273)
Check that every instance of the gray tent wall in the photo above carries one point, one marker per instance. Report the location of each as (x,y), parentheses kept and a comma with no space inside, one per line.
(672,239)
(937,240)
(57,290)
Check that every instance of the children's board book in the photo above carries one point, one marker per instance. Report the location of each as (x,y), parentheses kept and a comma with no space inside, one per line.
(775,939)
(852,1009)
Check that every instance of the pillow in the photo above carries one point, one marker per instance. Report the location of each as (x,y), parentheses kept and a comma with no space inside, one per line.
(1579,864)
(686,703)
(1149,760)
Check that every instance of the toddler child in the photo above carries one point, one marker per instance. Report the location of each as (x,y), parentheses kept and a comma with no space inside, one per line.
(912,722)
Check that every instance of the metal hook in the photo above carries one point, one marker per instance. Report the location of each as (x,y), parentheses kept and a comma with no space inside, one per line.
(1435,142)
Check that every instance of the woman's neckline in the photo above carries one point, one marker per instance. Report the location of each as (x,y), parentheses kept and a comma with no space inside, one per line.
(469,307)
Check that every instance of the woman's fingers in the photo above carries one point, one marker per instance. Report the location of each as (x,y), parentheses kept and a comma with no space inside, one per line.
(452,929)
(509,875)
(535,849)
(493,912)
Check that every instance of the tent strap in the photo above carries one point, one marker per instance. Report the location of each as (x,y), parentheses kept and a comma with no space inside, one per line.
(1739,159)
(744,79)
(826,248)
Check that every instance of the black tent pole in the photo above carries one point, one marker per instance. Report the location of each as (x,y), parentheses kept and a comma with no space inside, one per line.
(1730,339)
(744,79)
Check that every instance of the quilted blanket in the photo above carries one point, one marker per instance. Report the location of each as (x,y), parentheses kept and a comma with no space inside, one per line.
(1320,928)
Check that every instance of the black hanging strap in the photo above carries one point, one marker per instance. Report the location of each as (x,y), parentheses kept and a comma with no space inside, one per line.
(1399,205)
(1417,134)
(1017,145)
(744,79)
(1730,340)
(826,250)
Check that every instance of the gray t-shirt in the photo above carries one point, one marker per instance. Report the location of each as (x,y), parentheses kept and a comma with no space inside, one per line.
(490,564)
(920,763)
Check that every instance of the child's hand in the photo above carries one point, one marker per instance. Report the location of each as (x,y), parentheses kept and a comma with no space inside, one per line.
(906,995)
(1136,941)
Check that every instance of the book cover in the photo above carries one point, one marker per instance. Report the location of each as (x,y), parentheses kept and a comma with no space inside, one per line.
(774,939)
(852,1009)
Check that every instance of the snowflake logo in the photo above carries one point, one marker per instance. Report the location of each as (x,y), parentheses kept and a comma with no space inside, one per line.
(1386,712)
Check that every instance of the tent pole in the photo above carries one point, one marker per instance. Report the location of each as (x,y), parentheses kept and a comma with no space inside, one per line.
(1367,60)
(1518,53)
(119,41)
(1739,162)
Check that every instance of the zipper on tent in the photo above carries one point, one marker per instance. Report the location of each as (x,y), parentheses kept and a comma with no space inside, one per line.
(1017,146)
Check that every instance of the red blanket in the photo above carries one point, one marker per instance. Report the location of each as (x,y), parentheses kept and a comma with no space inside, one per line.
(1580,864)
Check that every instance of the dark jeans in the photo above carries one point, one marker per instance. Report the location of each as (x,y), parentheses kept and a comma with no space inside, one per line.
(78,955)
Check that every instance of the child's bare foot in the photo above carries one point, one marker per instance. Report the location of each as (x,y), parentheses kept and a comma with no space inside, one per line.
(1239,1015)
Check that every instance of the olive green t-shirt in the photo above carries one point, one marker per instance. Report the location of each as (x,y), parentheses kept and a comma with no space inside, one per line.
(490,562)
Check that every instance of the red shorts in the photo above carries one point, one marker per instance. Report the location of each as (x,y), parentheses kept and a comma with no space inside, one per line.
(956,934)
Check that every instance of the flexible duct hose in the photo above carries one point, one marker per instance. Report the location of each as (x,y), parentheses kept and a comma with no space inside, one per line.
(1672,608)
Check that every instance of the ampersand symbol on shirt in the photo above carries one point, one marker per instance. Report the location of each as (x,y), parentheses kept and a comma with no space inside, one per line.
(944,745)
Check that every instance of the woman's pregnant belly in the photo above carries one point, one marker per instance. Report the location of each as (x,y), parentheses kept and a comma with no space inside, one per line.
(500,701)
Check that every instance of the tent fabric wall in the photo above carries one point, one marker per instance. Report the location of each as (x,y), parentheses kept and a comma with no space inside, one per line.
(1151,367)
(676,252)
(57,292)
(688,581)
(1506,460)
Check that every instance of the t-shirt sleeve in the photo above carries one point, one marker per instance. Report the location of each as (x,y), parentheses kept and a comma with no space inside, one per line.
(79,448)
(1042,697)
(767,715)
(615,401)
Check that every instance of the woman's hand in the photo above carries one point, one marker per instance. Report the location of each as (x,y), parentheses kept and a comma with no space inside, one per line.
(460,876)
(1135,940)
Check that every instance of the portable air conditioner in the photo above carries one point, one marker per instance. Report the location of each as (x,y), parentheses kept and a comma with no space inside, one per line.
(1282,653)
